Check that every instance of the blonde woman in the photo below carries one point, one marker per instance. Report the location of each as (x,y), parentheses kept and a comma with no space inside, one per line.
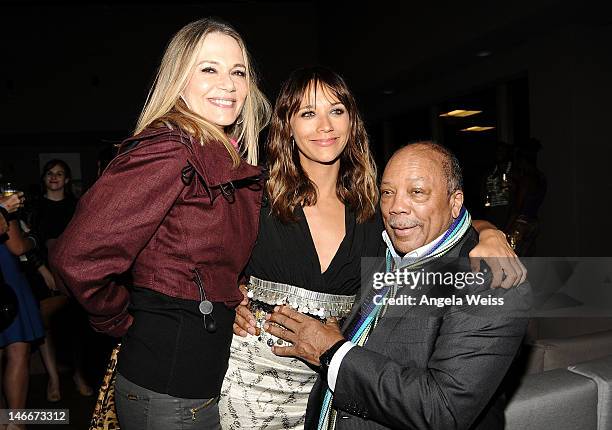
(178,207)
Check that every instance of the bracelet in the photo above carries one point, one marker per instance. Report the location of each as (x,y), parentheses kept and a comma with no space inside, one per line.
(33,239)
(34,258)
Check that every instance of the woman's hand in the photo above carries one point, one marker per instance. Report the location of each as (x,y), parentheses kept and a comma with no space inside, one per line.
(244,323)
(13,202)
(495,250)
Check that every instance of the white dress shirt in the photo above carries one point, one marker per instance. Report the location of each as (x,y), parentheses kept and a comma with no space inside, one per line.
(411,257)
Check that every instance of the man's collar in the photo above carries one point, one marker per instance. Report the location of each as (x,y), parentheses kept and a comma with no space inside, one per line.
(412,256)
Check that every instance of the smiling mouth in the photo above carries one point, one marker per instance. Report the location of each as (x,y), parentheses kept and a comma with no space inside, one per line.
(223,103)
(325,142)
(403,231)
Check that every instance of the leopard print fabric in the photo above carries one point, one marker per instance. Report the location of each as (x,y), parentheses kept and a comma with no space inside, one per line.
(105,414)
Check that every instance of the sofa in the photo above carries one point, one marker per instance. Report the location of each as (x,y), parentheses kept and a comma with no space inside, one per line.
(562,378)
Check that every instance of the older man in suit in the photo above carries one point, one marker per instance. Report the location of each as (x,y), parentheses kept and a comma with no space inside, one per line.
(420,352)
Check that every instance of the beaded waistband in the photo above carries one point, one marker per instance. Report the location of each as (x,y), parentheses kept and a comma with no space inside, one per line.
(319,304)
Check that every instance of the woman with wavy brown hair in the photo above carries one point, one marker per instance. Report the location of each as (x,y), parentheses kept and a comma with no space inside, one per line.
(319,218)
(341,153)
(316,222)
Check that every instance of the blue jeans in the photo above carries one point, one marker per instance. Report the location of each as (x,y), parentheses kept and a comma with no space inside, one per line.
(142,409)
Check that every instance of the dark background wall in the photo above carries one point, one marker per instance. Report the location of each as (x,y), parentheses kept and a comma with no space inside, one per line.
(75,77)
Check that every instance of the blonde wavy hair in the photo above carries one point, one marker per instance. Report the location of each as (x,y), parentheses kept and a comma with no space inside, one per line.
(164,106)
(288,185)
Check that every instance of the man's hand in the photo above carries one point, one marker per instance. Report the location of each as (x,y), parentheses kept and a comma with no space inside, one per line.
(244,322)
(495,250)
(13,202)
(309,336)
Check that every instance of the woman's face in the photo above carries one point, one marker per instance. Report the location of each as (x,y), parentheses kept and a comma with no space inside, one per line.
(55,179)
(218,86)
(320,127)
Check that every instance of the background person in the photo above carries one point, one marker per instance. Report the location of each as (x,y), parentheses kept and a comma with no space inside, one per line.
(27,328)
(531,185)
(498,187)
(49,216)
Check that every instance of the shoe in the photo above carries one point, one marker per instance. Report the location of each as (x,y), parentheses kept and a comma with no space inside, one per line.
(82,387)
(53,393)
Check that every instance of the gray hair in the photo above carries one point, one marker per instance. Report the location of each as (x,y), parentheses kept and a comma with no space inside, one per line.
(450,164)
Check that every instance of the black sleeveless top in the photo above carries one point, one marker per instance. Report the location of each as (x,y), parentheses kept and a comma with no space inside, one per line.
(285,252)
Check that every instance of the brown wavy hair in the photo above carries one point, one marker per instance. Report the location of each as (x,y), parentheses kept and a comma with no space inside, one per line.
(289,185)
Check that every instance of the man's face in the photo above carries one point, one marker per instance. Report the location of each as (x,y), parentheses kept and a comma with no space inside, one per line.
(415,204)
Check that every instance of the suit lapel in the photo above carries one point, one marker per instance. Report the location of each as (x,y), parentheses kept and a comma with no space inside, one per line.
(379,267)
(394,313)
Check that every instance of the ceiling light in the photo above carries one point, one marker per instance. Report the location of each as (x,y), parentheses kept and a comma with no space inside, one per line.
(477,128)
(483,53)
(461,113)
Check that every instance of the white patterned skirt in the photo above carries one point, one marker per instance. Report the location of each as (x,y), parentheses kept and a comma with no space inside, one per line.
(262,390)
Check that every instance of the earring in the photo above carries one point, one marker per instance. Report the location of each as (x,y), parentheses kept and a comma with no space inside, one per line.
(292,143)
(240,120)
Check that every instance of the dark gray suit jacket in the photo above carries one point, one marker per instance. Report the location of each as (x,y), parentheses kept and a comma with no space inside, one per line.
(426,367)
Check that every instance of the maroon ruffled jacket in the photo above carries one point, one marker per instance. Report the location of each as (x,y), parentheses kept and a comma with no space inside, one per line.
(162,208)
